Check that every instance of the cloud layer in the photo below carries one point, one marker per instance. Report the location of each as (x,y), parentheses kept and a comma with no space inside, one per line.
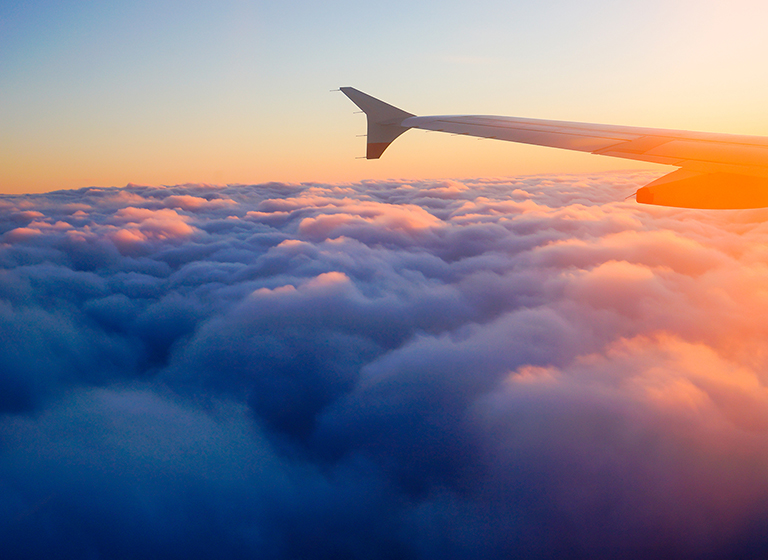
(492,368)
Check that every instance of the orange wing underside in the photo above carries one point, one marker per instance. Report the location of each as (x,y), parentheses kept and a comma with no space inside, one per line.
(684,189)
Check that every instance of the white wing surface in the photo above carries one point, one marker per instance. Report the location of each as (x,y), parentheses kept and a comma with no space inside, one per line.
(715,170)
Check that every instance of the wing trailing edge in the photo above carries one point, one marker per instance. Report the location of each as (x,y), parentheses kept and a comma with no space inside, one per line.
(716,171)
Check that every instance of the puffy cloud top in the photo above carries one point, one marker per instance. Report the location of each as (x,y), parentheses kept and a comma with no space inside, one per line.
(491,368)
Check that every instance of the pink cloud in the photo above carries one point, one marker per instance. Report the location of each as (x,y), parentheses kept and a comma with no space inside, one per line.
(327,279)
(21,234)
(280,290)
(31,215)
(405,218)
(193,203)
(136,225)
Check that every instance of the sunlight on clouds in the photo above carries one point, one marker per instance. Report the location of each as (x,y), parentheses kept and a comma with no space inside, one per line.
(502,365)
(192,203)
(327,279)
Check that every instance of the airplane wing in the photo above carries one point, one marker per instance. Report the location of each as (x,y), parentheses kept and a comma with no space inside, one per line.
(715,170)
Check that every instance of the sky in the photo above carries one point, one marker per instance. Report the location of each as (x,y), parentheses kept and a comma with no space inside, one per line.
(235,92)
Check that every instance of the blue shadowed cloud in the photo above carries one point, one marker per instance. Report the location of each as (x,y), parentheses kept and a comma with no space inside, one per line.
(461,369)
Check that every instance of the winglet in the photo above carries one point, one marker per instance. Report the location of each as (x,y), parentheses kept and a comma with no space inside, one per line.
(383,121)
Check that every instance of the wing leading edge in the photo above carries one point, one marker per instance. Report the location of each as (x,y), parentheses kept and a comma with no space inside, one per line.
(715,170)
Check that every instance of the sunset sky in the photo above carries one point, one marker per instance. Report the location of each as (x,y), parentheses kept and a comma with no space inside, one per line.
(105,94)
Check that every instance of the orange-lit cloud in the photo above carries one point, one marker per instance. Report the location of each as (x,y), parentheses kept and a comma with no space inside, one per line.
(536,361)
